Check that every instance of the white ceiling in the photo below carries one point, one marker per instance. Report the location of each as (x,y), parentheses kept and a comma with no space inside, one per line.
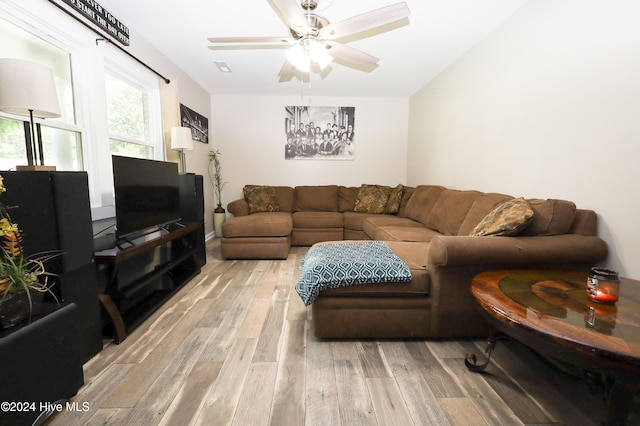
(437,32)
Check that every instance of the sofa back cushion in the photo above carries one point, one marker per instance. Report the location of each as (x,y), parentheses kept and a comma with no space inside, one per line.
(316,198)
(551,217)
(407,192)
(450,210)
(285,198)
(422,201)
(482,206)
(347,198)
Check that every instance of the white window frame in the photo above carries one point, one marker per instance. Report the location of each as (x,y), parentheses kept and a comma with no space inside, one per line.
(89,60)
(117,64)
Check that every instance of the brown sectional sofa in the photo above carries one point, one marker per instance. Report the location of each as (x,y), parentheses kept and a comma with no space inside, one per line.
(430,233)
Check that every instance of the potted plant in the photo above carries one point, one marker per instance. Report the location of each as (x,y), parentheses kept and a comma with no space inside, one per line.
(23,280)
(219,213)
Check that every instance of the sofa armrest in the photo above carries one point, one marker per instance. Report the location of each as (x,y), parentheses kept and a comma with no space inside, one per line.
(238,207)
(557,249)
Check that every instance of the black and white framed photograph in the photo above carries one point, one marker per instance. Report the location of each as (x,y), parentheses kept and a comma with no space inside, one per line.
(319,133)
(199,124)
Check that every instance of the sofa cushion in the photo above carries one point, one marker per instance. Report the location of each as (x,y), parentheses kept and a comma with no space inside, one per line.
(372,199)
(509,218)
(395,199)
(261,199)
(372,223)
(336,265)
(285,198)
(481,207)
(414,255)
(347,198)
(551,217)
(278,224)
(316,198)
(450,210)
(404,233)
(355,220)
(316,220)
(407,192)
(421,203)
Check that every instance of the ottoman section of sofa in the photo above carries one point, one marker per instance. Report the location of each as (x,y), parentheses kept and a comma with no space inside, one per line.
(384,310)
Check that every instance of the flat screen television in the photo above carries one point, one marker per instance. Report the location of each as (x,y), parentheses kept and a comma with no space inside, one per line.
(147,194)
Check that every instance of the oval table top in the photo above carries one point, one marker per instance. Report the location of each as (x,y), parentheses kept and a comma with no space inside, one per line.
(549,310)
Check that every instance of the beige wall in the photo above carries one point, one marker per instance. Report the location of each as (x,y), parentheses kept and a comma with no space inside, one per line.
(547,106)
(249,132)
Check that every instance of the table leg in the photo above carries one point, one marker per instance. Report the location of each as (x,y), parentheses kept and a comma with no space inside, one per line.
(618,401)
(471,360)
(115,316)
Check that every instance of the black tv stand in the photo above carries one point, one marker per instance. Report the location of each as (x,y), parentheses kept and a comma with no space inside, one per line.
(135,280)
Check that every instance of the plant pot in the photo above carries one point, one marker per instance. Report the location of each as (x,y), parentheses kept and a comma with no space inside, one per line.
(219,216)
(15,308)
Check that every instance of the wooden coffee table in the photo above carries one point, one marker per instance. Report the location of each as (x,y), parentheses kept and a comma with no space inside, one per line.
(549,311)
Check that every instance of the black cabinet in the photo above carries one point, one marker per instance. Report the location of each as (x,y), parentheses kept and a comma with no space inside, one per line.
(53,212)
(41,364)
(135,280)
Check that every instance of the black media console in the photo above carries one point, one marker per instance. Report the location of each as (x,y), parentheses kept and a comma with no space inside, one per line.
(136,278)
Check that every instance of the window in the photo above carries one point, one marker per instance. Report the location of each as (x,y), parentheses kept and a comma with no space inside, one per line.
(128,117)
(110,104)
(61,137)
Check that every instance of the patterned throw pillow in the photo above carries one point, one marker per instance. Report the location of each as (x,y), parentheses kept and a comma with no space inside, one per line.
(509,218)
(261,199)
(395,198)
(372,199)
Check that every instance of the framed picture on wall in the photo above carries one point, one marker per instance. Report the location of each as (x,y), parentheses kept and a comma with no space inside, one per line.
(319,133)
(199,124)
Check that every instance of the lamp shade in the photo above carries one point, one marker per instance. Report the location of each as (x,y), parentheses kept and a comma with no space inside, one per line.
(181,138)
(27,86)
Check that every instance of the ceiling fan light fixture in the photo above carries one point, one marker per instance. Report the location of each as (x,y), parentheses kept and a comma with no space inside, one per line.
(318,53)
(298,57)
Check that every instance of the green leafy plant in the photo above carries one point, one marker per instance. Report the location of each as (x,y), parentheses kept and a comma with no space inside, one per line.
(215,175)
(19,273)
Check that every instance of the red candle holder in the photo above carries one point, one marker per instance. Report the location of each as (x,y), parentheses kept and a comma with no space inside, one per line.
(603,285)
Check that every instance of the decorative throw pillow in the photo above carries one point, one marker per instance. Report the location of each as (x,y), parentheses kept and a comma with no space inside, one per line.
(395,198)
(509,218)
(261,199)
(372,199)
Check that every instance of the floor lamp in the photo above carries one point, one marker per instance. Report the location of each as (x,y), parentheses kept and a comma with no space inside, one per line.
(182,140)
(27,88)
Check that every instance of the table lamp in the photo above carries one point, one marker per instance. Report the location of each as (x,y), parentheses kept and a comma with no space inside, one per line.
(27,88)
(182,140)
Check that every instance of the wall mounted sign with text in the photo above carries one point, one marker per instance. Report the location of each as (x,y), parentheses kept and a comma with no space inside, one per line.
(102,18)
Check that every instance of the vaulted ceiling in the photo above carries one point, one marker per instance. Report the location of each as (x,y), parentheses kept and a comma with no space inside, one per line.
(411,51)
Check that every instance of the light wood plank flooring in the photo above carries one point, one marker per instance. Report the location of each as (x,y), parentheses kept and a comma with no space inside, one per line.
(236,346)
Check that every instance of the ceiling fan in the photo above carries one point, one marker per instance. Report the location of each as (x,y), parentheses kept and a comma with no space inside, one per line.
(314,40)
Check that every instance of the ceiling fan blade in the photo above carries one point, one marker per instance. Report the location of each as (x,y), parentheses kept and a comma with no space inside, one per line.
(349,54)
(292,15)
(257,46)
(250,39)
(366,21)
(287,72)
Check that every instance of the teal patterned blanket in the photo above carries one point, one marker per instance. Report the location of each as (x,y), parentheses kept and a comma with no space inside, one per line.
(339,265)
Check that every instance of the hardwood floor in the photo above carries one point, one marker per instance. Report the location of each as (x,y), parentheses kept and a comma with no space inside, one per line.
(236,346)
